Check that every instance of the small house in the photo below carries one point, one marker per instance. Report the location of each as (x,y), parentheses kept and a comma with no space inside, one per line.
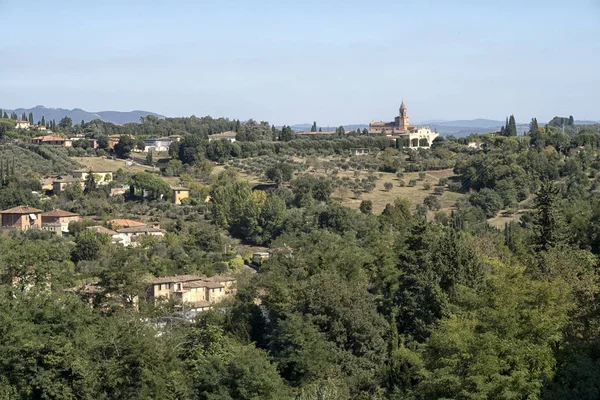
(230,135)
(60,219)
(179,193)
(22,218)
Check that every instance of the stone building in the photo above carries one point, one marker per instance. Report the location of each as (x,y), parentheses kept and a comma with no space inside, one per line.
(401,130)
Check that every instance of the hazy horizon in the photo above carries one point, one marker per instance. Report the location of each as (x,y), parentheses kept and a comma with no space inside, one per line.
(327,61)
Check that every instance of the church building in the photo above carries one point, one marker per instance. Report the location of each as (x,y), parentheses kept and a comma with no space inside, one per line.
(410,135)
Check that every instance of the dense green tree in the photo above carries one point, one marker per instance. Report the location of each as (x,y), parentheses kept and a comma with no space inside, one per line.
(550,227)
(366,207)
(124,147)
(65,123)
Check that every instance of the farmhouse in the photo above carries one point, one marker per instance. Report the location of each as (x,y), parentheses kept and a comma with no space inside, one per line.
(230,135)
(53,141)
(158,145)
(61,183)
(22,124)
(179,193)
(58,221)
(192,292)
(115,237)
(22,218)
(103,177)
(132,235)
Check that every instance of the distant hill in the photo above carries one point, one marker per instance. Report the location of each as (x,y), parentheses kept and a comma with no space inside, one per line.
(77,114)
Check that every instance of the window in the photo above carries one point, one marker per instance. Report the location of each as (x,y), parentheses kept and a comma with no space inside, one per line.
(167,286)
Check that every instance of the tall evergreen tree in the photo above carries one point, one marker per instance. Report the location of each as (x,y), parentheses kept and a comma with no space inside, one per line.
(571,120)
(314,127)
(512,126)
(550,225)
(320,129)
(43,123)
(24,117)
(30,118)
(533,127)
(5,115)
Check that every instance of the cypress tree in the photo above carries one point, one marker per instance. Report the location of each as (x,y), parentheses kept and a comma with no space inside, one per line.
(571,120)
(5,115)
(512,126)
(320,129)
(533,127)
(314,127)
(24,117)
(550,226)
(30,118)
(43,121)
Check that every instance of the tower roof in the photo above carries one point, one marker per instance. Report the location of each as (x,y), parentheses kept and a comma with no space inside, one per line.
(403,106)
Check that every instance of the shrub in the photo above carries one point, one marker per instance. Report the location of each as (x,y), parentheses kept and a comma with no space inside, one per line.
(412,183)
(401,183)
(427,185)
(432,202)
(366,206)
(422,175)
(443,182)
(439,190)
(388,186)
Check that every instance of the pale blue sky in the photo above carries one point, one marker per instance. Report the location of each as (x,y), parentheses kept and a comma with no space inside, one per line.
(291,62)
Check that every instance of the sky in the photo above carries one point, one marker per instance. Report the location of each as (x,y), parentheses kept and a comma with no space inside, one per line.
(287,62)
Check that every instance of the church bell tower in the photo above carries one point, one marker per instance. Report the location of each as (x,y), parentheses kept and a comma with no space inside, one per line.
(403,120)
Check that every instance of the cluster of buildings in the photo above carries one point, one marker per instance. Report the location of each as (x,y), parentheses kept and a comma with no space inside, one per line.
(160,144)
(23,218)
(63,142)
(229,135)
(400,128)
(127,232)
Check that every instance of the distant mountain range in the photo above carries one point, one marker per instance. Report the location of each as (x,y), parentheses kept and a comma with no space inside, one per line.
(77,114)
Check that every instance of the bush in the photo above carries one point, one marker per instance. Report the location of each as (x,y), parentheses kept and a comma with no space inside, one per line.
(412,183)
(432,202)
(422,175)
(488,200)
(439,190)
(401,183)
(366,207)
(400,175)
(443,182)
(427,185)
(388,186)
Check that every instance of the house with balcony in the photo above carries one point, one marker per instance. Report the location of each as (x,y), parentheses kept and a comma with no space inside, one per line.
(22,218)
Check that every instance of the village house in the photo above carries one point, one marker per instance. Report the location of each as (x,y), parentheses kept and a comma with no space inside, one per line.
(192,292)
(58,221)
(179,193)
(115,237)
(230,135)
(61,183)
(102,177)
(53,141)
(158,145)
(22,124)
(22,218)
(124,223)
(132,235)
(261,256)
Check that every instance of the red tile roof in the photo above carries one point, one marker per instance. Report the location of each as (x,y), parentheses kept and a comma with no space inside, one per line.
(21,210)
(59,213)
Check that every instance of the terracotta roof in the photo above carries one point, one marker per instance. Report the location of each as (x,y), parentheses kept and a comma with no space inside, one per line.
(49,138)
(59,213)
(21,210)
(199,304)
(177,278)
(101,229)
(221,278)
(139,229)
(68,179)
(125,223)
(180,188)
(202,284)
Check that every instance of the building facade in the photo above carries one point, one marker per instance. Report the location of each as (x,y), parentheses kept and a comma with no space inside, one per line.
(179,193)
(22,218)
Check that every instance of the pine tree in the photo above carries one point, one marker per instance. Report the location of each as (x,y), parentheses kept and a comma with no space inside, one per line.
(571,121)
(90,183)
(30,118)
(314,127)
(43,121)
(505,128)
(24,117)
